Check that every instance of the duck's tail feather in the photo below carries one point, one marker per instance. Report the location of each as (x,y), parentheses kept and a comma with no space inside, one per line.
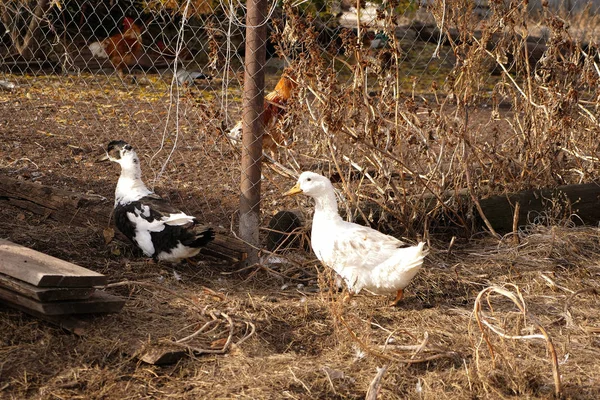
(399,270)
(203,235)
(415,256)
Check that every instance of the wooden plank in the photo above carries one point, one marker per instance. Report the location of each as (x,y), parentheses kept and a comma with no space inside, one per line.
(70,323)
(42,270)
(227,248)
(99,302)
(44,294)
(58,204)
(583,200)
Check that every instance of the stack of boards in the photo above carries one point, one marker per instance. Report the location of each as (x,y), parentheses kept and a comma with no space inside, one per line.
(49,287)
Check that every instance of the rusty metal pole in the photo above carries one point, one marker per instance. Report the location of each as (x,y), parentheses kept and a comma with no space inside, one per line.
(252,125)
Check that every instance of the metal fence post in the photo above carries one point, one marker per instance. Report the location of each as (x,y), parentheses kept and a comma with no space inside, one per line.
(252,127)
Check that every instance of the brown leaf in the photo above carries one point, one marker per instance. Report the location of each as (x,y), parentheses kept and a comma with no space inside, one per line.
(109,234)
(215,295)
(218,344)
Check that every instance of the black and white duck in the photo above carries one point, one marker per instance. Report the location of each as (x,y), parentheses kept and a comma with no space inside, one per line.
(157,228)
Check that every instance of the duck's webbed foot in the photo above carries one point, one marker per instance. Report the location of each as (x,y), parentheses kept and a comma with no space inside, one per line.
(191,262)
(399,296)
(347,297)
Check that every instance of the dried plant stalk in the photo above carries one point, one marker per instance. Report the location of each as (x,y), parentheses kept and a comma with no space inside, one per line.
(485,326)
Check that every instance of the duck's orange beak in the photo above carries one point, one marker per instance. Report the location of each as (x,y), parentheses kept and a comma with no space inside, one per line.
(295,190)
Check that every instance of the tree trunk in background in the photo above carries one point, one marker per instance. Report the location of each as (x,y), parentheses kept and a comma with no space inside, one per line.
(27,45)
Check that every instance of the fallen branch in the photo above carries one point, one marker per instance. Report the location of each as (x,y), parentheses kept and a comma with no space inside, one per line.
(224,349)
(387,356)
(375,385)
(517,299)
(199,331)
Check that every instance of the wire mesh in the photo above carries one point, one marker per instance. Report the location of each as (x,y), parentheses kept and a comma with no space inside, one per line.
(405,104)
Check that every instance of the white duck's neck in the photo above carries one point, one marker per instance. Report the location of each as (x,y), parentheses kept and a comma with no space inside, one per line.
(326,205)
(130,186)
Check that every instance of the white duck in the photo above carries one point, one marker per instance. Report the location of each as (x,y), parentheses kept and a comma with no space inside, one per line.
(363,257)
(157,228)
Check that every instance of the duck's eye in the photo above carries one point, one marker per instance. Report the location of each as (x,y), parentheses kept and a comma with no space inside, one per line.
(308,179)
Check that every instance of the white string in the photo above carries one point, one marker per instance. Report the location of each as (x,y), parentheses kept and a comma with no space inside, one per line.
(238,22)
(174,84)
(174,88)
(230,12)
(225,80)
(436,52)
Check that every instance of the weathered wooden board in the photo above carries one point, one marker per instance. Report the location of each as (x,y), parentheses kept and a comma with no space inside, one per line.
(99,302)
(70,323)
(44,294)
(42,270)
(227,248)
(583,200)
(61,205)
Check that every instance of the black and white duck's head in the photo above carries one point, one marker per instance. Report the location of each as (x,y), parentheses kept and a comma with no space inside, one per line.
(311,184)
(120,152)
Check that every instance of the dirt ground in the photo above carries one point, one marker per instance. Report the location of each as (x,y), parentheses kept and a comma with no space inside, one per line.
(291,337)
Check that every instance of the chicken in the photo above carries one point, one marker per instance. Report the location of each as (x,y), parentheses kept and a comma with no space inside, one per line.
(122,49)
(274,108)
(187,78)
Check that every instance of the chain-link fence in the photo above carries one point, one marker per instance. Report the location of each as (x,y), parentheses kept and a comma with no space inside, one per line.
(418,109)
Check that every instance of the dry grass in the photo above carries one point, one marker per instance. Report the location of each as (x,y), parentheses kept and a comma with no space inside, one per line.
(489,316)
(413,152)
(308,344)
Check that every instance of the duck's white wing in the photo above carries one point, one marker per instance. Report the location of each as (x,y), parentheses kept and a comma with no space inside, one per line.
(366,258)
(353,250)
(360,245)
(162,212)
